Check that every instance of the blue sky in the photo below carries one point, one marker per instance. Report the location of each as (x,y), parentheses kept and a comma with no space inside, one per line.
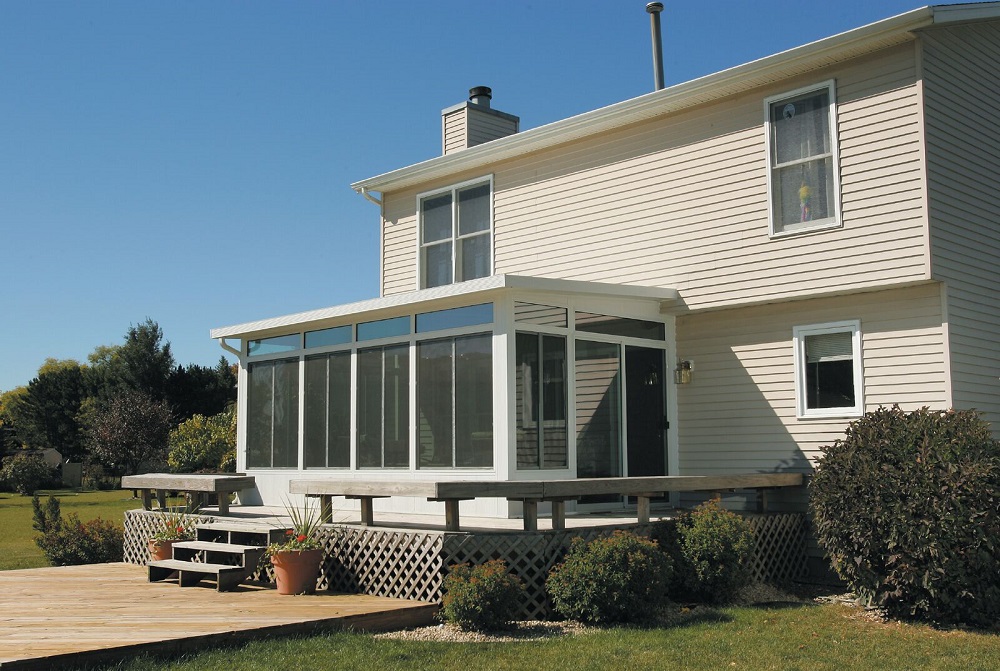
(190,161)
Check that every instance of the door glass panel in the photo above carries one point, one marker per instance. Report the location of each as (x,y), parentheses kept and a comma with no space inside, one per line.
(598,410)
(644,389)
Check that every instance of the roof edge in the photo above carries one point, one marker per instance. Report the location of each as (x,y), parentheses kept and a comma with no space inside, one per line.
(668,99)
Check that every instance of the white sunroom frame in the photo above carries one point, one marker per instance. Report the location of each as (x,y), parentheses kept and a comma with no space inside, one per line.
(646,303)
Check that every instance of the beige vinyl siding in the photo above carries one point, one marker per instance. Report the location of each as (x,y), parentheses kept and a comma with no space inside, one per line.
(739,412)
(399,243)
(453,135)
(682,201)
(962,108)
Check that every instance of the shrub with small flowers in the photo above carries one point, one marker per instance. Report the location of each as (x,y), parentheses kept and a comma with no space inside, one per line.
(177,525)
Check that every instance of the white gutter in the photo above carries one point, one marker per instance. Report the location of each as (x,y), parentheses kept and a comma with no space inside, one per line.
(875,36)
(369,197)
(229,348)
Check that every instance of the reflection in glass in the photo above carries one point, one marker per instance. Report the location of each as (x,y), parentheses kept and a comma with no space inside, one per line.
(474,209)
(435,215)
(474,253)
(439,320)
(540,371)
(437,265)
(545,315)
(598,410)
(384,328)
(383,407)
(339,335)
(620,326)
(275,345)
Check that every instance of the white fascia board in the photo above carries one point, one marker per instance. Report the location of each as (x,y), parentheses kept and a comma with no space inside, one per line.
(774,68)
(414,299)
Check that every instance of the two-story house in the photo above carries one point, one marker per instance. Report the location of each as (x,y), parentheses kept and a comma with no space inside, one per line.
(711,278)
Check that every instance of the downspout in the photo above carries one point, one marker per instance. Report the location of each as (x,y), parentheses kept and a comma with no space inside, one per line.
(229,348)
(369,197)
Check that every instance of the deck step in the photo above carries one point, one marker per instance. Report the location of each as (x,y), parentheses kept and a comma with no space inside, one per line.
(213,546)
(191,573)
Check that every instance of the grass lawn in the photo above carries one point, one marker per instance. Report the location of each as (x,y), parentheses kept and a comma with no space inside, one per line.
(17,542)
(808,637)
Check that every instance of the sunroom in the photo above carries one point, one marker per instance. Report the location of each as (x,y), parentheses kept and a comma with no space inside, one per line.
(502,378)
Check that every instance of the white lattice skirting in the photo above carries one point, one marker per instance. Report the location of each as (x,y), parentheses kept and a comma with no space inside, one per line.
(412,564)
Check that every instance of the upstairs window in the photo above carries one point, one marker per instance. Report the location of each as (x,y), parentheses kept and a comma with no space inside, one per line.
(802,160)
(828,370)
(455,235)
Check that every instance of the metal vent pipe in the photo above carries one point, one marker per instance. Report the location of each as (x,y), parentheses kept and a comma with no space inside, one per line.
(654,9)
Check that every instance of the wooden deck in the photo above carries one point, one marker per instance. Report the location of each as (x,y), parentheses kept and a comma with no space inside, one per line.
(51,617)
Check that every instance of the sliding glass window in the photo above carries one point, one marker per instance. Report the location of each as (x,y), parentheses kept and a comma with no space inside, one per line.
(455,402)
(328,411)
(541,401)
(383,407)
(273,414)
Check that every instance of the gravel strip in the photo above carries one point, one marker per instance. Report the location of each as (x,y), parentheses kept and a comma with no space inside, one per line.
(528,630)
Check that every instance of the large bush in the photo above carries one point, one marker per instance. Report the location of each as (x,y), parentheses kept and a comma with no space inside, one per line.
(481,598)
(907,506)
(202,443)
(24,473)
(619,578)
(717,546)
(68,541)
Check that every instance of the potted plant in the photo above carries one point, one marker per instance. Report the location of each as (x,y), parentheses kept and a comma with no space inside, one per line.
(297,559)
(177,525)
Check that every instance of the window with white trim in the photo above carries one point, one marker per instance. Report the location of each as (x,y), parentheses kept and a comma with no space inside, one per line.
(828,371)
(802,162)
(456,234)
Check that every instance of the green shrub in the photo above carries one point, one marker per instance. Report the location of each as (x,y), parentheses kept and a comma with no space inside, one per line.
(716,546)
(201,443)
(25,473)
(907,506)
(68,541)
(619,578)
(481,598)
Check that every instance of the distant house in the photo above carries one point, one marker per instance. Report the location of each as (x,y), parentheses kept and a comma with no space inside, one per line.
(711,278)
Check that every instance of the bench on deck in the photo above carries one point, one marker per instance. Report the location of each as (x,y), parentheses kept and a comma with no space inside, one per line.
(531,492)
(198,486)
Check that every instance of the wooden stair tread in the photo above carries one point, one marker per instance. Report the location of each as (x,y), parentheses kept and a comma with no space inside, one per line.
(197,567)
(214,546)
(241,527)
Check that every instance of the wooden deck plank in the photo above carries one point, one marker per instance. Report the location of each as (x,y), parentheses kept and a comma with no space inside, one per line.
(102,612)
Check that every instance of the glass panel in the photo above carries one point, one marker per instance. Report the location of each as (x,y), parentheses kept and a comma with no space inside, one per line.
(474,209)
(801,127)
(803,192)
(619,326)
(316,409)
(286,414)
(396,407)
(328,411)
(555,452)
(434,398)
(437,265)
(830,384)
(830,347)
(275,345)
(474,401)
(541,401)
(474,257)
(545,315)
(527,401)
(260,399)
(598,410)
(471,315)
(384,328)
(644,394)
(436,217)
(338,335)
(369,400)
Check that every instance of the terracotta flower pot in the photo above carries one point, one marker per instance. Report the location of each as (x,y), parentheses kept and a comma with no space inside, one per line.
(296,572)
(161,550)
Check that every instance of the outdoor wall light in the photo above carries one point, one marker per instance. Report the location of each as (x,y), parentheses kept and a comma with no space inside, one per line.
(682,374)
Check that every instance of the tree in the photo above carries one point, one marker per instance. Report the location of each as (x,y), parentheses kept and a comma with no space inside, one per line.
(202,443)
(143,363)
(8,431)
(199,390)
(46,413)
(131,430)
